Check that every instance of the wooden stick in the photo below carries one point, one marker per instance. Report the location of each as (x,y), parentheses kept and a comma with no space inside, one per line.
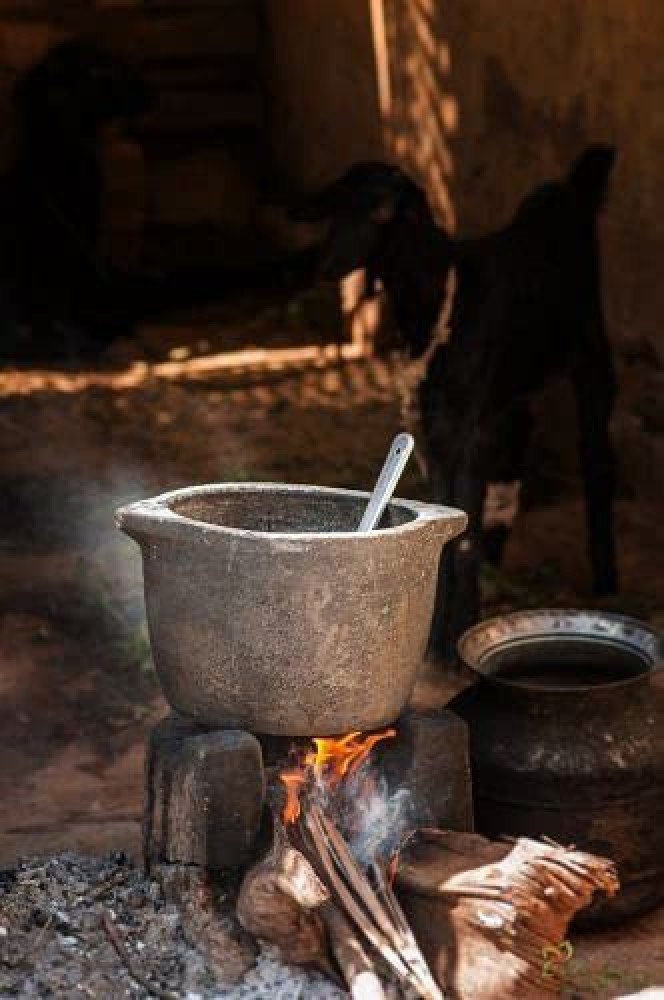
(357,969)
(388,899)
(361,904)
(397,930)
(347,901)
(352,870)
(410,948)
(120,948)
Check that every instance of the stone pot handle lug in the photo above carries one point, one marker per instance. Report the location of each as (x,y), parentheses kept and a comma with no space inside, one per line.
(142,519)
(454,522)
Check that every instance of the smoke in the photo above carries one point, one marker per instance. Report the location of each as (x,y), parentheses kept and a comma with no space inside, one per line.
(113,560)
(373,819)
(383,820)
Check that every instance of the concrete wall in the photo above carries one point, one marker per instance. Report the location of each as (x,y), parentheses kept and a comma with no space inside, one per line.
(536,82)
(321,87)
(487,99)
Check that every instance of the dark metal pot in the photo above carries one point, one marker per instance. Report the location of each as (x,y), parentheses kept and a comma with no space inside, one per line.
(268,612)
(567,740)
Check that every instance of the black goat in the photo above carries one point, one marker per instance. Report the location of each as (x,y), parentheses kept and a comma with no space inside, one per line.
(50,201)
(526,309)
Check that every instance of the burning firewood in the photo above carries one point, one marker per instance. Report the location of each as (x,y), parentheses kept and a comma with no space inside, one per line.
(310,881)
(357,968)
(380,921)
(492,917)
(278,902)
(283,901)
(361,914)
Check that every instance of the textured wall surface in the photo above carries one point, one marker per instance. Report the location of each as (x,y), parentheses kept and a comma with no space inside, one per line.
(535,83)
(486,100)
(321,87)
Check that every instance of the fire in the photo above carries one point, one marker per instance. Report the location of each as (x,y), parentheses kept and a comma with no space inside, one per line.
(331,762)
(293,781)
(338,759)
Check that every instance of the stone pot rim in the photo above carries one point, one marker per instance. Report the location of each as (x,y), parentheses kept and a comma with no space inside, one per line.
(148,516)
(478,644)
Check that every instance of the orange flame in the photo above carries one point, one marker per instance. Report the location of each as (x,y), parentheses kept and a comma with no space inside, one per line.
(293,780)
(331,762)
(336,759)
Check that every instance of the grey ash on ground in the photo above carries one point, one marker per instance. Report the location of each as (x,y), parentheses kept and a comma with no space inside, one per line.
(65,920)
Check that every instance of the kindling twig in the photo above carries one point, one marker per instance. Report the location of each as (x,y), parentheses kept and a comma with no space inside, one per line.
(317,849)
(33,946)
(115,938)
(410,948)
(357,968)
(379,920)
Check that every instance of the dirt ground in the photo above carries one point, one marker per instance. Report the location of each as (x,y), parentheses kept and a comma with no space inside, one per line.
(78,689)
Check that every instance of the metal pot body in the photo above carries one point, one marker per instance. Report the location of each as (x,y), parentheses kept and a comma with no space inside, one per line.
(582,764)
(268,612)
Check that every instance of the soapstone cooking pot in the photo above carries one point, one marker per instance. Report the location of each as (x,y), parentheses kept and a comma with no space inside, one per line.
(267,611)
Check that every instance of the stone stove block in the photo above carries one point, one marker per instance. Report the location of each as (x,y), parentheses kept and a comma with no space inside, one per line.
(430,757)
(205,791)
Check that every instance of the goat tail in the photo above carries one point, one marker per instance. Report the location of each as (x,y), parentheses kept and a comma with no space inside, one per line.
(589,175)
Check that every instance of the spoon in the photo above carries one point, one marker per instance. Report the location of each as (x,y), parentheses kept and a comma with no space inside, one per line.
(390,474)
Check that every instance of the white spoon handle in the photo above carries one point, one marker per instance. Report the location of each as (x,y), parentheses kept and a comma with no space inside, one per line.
(386,483)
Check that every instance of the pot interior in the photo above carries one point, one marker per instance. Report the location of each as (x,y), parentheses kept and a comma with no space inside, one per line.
(564,662)
(283,510)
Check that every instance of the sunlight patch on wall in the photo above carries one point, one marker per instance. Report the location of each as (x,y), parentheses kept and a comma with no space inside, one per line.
(420,113)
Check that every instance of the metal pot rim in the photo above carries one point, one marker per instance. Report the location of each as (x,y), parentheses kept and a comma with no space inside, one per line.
(478,644)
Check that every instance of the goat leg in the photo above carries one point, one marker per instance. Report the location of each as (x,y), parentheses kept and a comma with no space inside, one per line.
(594,396)
(464,601)
(506,459)
(440,646)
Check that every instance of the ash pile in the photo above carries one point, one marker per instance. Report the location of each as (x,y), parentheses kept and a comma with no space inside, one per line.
(77,926)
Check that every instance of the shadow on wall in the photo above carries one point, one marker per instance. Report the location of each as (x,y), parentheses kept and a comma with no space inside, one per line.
(419,113)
